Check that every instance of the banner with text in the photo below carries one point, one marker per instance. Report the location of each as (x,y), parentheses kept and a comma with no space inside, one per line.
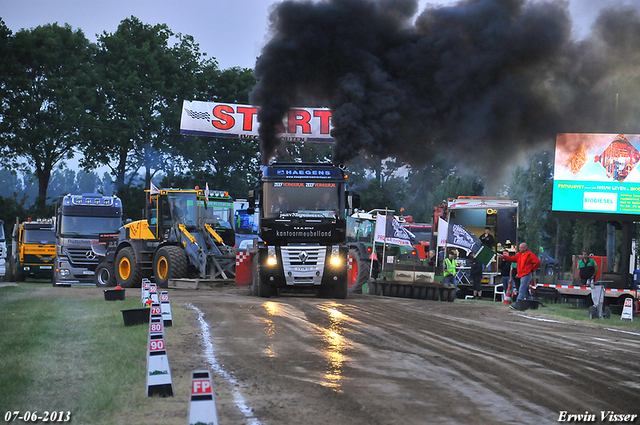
(597,173)
(241,122)
(389,230)
(460,237)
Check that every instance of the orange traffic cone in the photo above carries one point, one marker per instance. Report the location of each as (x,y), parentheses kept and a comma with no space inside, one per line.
(506,298)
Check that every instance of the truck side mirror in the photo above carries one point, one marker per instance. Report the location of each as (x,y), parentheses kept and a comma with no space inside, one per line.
(352,201)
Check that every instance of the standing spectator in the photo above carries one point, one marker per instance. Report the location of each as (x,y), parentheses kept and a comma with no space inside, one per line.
(527,263)
(588,268)
(505,272)
(432,259)
(514,280)
(476,277)
(450,271)
(487,238)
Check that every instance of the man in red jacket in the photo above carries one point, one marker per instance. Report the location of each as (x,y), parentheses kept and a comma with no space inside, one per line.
(527,263)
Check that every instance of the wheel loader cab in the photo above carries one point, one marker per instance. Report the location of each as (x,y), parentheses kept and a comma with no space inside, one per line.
(172,207)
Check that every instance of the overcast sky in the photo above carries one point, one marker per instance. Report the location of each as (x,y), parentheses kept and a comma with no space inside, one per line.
(232,31)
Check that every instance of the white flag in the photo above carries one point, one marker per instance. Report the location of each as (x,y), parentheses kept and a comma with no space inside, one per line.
(153,189)
(443,231)
(206,190)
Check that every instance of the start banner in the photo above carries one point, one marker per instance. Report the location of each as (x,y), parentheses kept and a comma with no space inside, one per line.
(241,122)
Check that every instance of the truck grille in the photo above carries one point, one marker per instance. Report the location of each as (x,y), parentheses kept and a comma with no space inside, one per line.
(303,265)
(81,256)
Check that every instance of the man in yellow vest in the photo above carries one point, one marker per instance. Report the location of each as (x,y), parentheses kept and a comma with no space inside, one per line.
(450,271)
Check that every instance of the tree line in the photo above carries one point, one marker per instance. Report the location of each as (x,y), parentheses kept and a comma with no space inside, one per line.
(116,104)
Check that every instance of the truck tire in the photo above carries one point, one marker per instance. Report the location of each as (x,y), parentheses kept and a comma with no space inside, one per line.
(259,288)
(361,268)
(170,262)
(128,273)
(103,276)
(452,295)
(429,294)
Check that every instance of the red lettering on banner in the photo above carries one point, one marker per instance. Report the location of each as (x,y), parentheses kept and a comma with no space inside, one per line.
(247,120)
(222,113)
(324,120)
(201,386)
(298,117)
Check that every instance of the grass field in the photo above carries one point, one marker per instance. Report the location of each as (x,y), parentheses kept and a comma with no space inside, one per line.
(63,354)
(561,311)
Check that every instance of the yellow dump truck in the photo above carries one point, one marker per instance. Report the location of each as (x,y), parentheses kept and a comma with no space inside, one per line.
(33,250)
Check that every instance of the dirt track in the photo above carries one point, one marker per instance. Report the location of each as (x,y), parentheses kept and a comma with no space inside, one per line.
(375,360)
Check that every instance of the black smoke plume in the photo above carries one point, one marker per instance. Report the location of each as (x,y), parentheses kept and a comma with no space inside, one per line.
(481,79)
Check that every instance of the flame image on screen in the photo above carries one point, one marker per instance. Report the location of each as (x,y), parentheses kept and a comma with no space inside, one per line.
(619,158)
(577,159)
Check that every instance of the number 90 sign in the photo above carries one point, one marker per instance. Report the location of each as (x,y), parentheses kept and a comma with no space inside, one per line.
(156,345)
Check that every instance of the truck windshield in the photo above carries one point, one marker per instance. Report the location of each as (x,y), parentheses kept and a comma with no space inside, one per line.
(88,226)
(218,214)
(39,237)
(308,199)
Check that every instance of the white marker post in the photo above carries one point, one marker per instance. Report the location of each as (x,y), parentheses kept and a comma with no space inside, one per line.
(156,311)
(627,310)
(145,291)
(202,406)
(165,306)
(158,372)
(153,292)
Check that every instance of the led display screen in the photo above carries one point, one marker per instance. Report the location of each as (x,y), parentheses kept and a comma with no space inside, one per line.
(597,173)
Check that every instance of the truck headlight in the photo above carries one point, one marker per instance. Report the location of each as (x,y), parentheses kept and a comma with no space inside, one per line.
(64,272)
(335,256)
(272,260)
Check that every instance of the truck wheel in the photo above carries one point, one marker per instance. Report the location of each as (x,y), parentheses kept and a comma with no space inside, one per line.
(170,262)
(436,294)
(429,295)
(104,276)
(258,287)
(444,295)
(452,295)
(128,274)
(422,293)
(360,271)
